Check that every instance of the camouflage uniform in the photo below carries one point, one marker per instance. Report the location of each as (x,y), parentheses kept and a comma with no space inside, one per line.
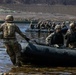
(63,25)
(55,37)
(71,36)
(38,25)
(53,25)
(9,30)
(42,25)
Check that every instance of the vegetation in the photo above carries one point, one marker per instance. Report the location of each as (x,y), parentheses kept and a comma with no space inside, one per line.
(51,2)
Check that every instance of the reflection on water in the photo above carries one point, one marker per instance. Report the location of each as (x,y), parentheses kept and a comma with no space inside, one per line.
(40,37)
(6,65)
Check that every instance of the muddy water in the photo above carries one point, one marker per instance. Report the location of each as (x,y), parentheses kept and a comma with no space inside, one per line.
(7,67)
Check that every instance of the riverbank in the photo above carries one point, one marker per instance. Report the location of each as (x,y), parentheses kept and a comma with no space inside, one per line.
(38,12)
(32,16)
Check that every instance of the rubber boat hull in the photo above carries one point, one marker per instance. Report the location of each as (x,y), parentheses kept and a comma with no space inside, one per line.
(64,30)
(38,54)
(38,30)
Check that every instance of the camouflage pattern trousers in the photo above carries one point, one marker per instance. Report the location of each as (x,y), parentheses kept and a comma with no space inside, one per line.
(13,49)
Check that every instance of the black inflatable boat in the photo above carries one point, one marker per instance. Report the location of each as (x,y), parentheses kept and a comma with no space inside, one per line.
(38,54)
(64,30)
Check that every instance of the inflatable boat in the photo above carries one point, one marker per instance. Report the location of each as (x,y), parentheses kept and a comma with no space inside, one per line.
(39,30)
(45,55)
(64,30)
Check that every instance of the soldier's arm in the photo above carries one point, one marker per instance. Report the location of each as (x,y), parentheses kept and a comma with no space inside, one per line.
(20,32)
(49,38)
(1,31)
(1,28)
(67,37)
(67,34)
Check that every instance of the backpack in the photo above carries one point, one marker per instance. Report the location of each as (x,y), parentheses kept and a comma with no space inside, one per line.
(8,30)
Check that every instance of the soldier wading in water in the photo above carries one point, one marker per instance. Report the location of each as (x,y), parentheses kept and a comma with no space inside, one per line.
(13,48)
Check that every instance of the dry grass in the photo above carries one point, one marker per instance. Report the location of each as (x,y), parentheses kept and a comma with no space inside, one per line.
(69,9)
(43,11)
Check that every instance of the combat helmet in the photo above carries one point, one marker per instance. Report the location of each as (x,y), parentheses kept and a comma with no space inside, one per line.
(57,27)
(72,25)
(9,18)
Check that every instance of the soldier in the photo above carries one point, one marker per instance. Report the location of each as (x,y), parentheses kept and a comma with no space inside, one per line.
(47,25)
(53,25)
(63,25)
(71,36)
(56,37)
(42,25)
(39,25)
(32,25)
(13,48)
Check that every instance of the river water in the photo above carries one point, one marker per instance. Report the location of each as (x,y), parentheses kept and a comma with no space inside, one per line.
(7,67)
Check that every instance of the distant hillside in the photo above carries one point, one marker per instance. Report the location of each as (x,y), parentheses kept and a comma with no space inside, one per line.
(49,2)
(40,6)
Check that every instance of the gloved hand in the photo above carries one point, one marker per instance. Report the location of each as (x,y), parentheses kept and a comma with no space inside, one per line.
(27,39)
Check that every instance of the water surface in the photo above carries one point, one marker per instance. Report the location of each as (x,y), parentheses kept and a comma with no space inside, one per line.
(7,67)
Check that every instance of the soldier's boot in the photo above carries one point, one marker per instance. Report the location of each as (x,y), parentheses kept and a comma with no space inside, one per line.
(18,62)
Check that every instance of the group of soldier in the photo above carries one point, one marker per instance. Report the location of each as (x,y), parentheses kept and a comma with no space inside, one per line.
(13,48)
(45,25)
(57,37)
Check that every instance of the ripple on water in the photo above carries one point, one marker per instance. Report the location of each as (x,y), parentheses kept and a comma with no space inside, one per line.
(6,65)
